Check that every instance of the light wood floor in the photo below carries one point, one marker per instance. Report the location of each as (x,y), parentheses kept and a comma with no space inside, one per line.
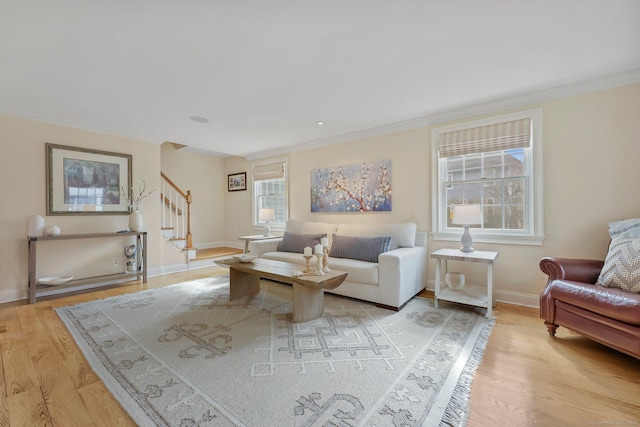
(216,252)
(526,378)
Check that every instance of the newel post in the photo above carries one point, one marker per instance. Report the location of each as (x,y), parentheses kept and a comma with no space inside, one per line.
(189,237)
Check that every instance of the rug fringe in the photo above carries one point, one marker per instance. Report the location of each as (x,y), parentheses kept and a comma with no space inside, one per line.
(456,413)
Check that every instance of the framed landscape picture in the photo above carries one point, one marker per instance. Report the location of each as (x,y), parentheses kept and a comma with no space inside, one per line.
(82,181)
(237,181)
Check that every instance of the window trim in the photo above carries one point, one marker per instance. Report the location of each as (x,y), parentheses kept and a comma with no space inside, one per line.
(255,224)
(534,215)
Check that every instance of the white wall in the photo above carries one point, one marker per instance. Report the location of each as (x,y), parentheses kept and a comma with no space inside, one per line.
(237,204)
(22,179)
(591,151)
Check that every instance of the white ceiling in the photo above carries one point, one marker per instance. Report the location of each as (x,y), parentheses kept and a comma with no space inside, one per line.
(264,72)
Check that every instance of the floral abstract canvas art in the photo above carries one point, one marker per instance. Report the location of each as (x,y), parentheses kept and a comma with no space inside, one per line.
(364,187)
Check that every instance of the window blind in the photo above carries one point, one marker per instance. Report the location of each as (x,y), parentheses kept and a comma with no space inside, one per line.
(268,171)
(495,137)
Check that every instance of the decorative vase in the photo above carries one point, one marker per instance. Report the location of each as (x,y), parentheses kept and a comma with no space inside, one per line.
(135,221)
(36,225)
(455,281)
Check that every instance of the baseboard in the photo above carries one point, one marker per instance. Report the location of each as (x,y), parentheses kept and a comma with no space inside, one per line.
(11,296)
(517,298)
(507,297)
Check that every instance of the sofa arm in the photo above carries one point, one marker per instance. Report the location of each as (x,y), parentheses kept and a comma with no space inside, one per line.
(259,247)
(577,270)
(401,274)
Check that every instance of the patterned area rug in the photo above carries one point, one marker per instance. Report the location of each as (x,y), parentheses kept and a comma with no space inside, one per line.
(184,355)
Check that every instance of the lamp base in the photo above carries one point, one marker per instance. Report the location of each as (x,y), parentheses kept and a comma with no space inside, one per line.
(267,230)
(466,241)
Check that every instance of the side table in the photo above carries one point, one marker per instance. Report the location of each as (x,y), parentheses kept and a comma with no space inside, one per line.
(466,295)
(254,237)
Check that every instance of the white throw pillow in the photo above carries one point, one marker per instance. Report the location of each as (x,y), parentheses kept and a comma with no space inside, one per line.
(299,226)
(622,266)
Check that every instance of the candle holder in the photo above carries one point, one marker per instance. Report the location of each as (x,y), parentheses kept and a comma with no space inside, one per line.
(307,268)
(325,259)
(319,271)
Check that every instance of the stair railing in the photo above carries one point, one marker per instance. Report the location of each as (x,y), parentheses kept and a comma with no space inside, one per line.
(175,203)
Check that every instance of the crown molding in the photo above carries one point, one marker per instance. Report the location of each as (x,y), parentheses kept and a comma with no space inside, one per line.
(54,120)
(525,100)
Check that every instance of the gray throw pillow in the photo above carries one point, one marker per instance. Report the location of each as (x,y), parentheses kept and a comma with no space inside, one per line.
(361,248)
(625,229)
(297,242)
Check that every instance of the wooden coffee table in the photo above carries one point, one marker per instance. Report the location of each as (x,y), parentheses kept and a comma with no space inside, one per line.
(308,291)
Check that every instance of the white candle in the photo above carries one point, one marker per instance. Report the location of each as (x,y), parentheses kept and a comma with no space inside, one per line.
(307,251)
(319,250)
(324,241)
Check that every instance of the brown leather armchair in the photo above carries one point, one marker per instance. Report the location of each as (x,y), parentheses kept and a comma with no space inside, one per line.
(572,299)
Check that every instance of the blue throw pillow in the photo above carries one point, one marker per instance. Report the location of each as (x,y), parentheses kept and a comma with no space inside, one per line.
(297,242)
(361,248)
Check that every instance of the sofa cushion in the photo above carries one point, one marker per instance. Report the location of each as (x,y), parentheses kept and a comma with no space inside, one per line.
(625,229)
(358,271)
(613,303)
(360,248)
(622,265)
(298,226)
(402,235)
(292,242)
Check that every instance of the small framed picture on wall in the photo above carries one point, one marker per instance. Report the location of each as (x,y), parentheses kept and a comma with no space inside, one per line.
(237,181)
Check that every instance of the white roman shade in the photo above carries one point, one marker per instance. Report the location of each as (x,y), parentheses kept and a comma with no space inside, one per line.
(270,191)
(268,171)
(495,137)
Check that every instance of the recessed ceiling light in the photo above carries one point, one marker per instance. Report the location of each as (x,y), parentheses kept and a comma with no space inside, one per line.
(320,123)
(199,119)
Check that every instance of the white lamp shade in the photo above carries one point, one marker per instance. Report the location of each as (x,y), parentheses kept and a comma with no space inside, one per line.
(266,215)
(467,215)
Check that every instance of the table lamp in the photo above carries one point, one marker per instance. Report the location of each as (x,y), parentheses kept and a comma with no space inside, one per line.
(466,215)
(266,215)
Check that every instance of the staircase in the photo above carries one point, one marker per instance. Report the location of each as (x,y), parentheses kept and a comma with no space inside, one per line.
(176,226)
(176,216)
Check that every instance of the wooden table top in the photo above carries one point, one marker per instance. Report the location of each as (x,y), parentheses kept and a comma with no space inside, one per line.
(283,272)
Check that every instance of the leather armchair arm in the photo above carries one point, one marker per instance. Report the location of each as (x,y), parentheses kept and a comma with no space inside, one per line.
(577,270)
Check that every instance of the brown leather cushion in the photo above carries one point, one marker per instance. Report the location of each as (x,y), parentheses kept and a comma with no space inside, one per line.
(614,303)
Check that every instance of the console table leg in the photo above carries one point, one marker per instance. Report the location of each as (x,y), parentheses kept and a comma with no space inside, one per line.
(32,272)
(437,290)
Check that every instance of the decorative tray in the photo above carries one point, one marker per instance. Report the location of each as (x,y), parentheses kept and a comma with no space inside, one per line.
(245,257)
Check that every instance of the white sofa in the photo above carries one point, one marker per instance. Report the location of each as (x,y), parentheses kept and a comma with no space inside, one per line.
(399,274)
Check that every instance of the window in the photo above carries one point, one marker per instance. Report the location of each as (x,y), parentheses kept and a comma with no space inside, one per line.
(495,163)
(270,191)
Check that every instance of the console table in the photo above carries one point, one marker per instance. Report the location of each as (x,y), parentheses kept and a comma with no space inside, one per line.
(248,239)
(36,289)
(470,296)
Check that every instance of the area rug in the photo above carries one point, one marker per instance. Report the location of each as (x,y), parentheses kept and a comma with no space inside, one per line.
(185,355)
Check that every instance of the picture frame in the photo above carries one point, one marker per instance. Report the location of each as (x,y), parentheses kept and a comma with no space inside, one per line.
(361,187)
(83,181)
(237,181)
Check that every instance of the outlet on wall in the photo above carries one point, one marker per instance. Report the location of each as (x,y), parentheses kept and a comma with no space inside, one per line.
(116,261)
